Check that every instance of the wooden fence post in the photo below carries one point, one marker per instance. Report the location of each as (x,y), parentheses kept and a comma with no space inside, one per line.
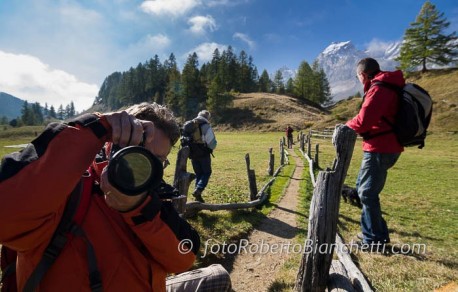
(251,179)
(324,210)
(282,152)
(182,179)
(309,145)
(270,170)
(317,151)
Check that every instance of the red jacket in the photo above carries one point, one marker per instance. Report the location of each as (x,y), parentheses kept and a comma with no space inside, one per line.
(34,187)
(379,102)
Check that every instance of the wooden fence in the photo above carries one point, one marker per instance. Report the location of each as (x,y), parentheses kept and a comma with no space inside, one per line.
(317,270)
(183,179)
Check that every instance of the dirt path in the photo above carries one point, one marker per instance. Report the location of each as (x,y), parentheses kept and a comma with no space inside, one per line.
(256,271)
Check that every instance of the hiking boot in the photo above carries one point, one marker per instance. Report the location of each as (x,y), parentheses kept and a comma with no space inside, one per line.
(197,194)
(372,247)
(360,236)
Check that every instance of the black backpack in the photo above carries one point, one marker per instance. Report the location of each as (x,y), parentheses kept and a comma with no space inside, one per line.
(191,136)
(413,116)
(191,132)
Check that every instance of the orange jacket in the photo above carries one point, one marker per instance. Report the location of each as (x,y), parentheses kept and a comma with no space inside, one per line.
(34,187)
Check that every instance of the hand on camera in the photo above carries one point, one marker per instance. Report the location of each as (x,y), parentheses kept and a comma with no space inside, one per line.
(128,130)
(117,200)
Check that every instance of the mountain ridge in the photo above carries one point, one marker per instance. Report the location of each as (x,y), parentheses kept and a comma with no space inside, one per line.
(10,106)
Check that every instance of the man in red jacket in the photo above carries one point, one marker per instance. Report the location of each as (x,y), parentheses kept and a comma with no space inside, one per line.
(381,152)
(132,242)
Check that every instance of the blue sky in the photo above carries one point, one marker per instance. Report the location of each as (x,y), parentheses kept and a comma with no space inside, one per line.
(56,51)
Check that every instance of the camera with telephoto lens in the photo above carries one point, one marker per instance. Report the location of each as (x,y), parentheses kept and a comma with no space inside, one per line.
(132,170)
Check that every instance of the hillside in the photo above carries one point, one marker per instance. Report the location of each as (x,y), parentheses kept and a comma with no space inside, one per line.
(270,112)
(10,106)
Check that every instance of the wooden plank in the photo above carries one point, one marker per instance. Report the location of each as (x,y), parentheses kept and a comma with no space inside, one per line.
(354,274)
(338,278)
(324,209)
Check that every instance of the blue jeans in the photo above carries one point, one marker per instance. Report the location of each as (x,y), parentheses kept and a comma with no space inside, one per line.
(203,169)
(369,184)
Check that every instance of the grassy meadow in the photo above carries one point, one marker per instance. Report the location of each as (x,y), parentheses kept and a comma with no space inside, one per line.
(420,204)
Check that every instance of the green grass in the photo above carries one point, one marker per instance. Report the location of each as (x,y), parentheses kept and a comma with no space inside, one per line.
(420,204)
(229,183)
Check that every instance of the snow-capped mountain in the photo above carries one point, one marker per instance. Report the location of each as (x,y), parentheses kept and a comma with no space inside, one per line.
(339,61)
(286,74)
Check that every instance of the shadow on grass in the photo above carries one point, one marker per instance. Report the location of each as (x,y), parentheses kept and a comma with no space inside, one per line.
(348,219)
(414,234)
(226,259)
(290,211)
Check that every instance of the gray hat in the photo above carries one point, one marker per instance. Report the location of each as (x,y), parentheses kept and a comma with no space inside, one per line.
(205,114)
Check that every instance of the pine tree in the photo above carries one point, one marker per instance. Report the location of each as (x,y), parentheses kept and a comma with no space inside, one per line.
(324,95)
(218,99)
(46,110)
(52,112)
(28,114)
(320,91)
(192,88)
(72,112)
(425,43)
(60,113)
(303,81)
(264,82)
(290,86)
(278,82)
(37,114)
(173,95)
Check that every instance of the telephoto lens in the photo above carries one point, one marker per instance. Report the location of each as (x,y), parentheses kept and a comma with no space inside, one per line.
(133,170)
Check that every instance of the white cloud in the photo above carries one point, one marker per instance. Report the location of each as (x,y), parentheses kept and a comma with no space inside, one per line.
(377,47)
(245,38)
(168,7)
(28,78)
(199,24)
(205,51)
(213,3)
(159,41)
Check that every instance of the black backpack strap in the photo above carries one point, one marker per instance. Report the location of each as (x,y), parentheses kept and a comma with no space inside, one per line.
(76,206)
(95,280)
(58,240)
(10,269)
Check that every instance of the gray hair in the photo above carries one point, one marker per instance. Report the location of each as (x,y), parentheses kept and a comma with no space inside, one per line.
(205,114)
(161,116)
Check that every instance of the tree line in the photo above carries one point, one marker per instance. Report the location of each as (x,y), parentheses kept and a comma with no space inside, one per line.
(212,85)
(34,114)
